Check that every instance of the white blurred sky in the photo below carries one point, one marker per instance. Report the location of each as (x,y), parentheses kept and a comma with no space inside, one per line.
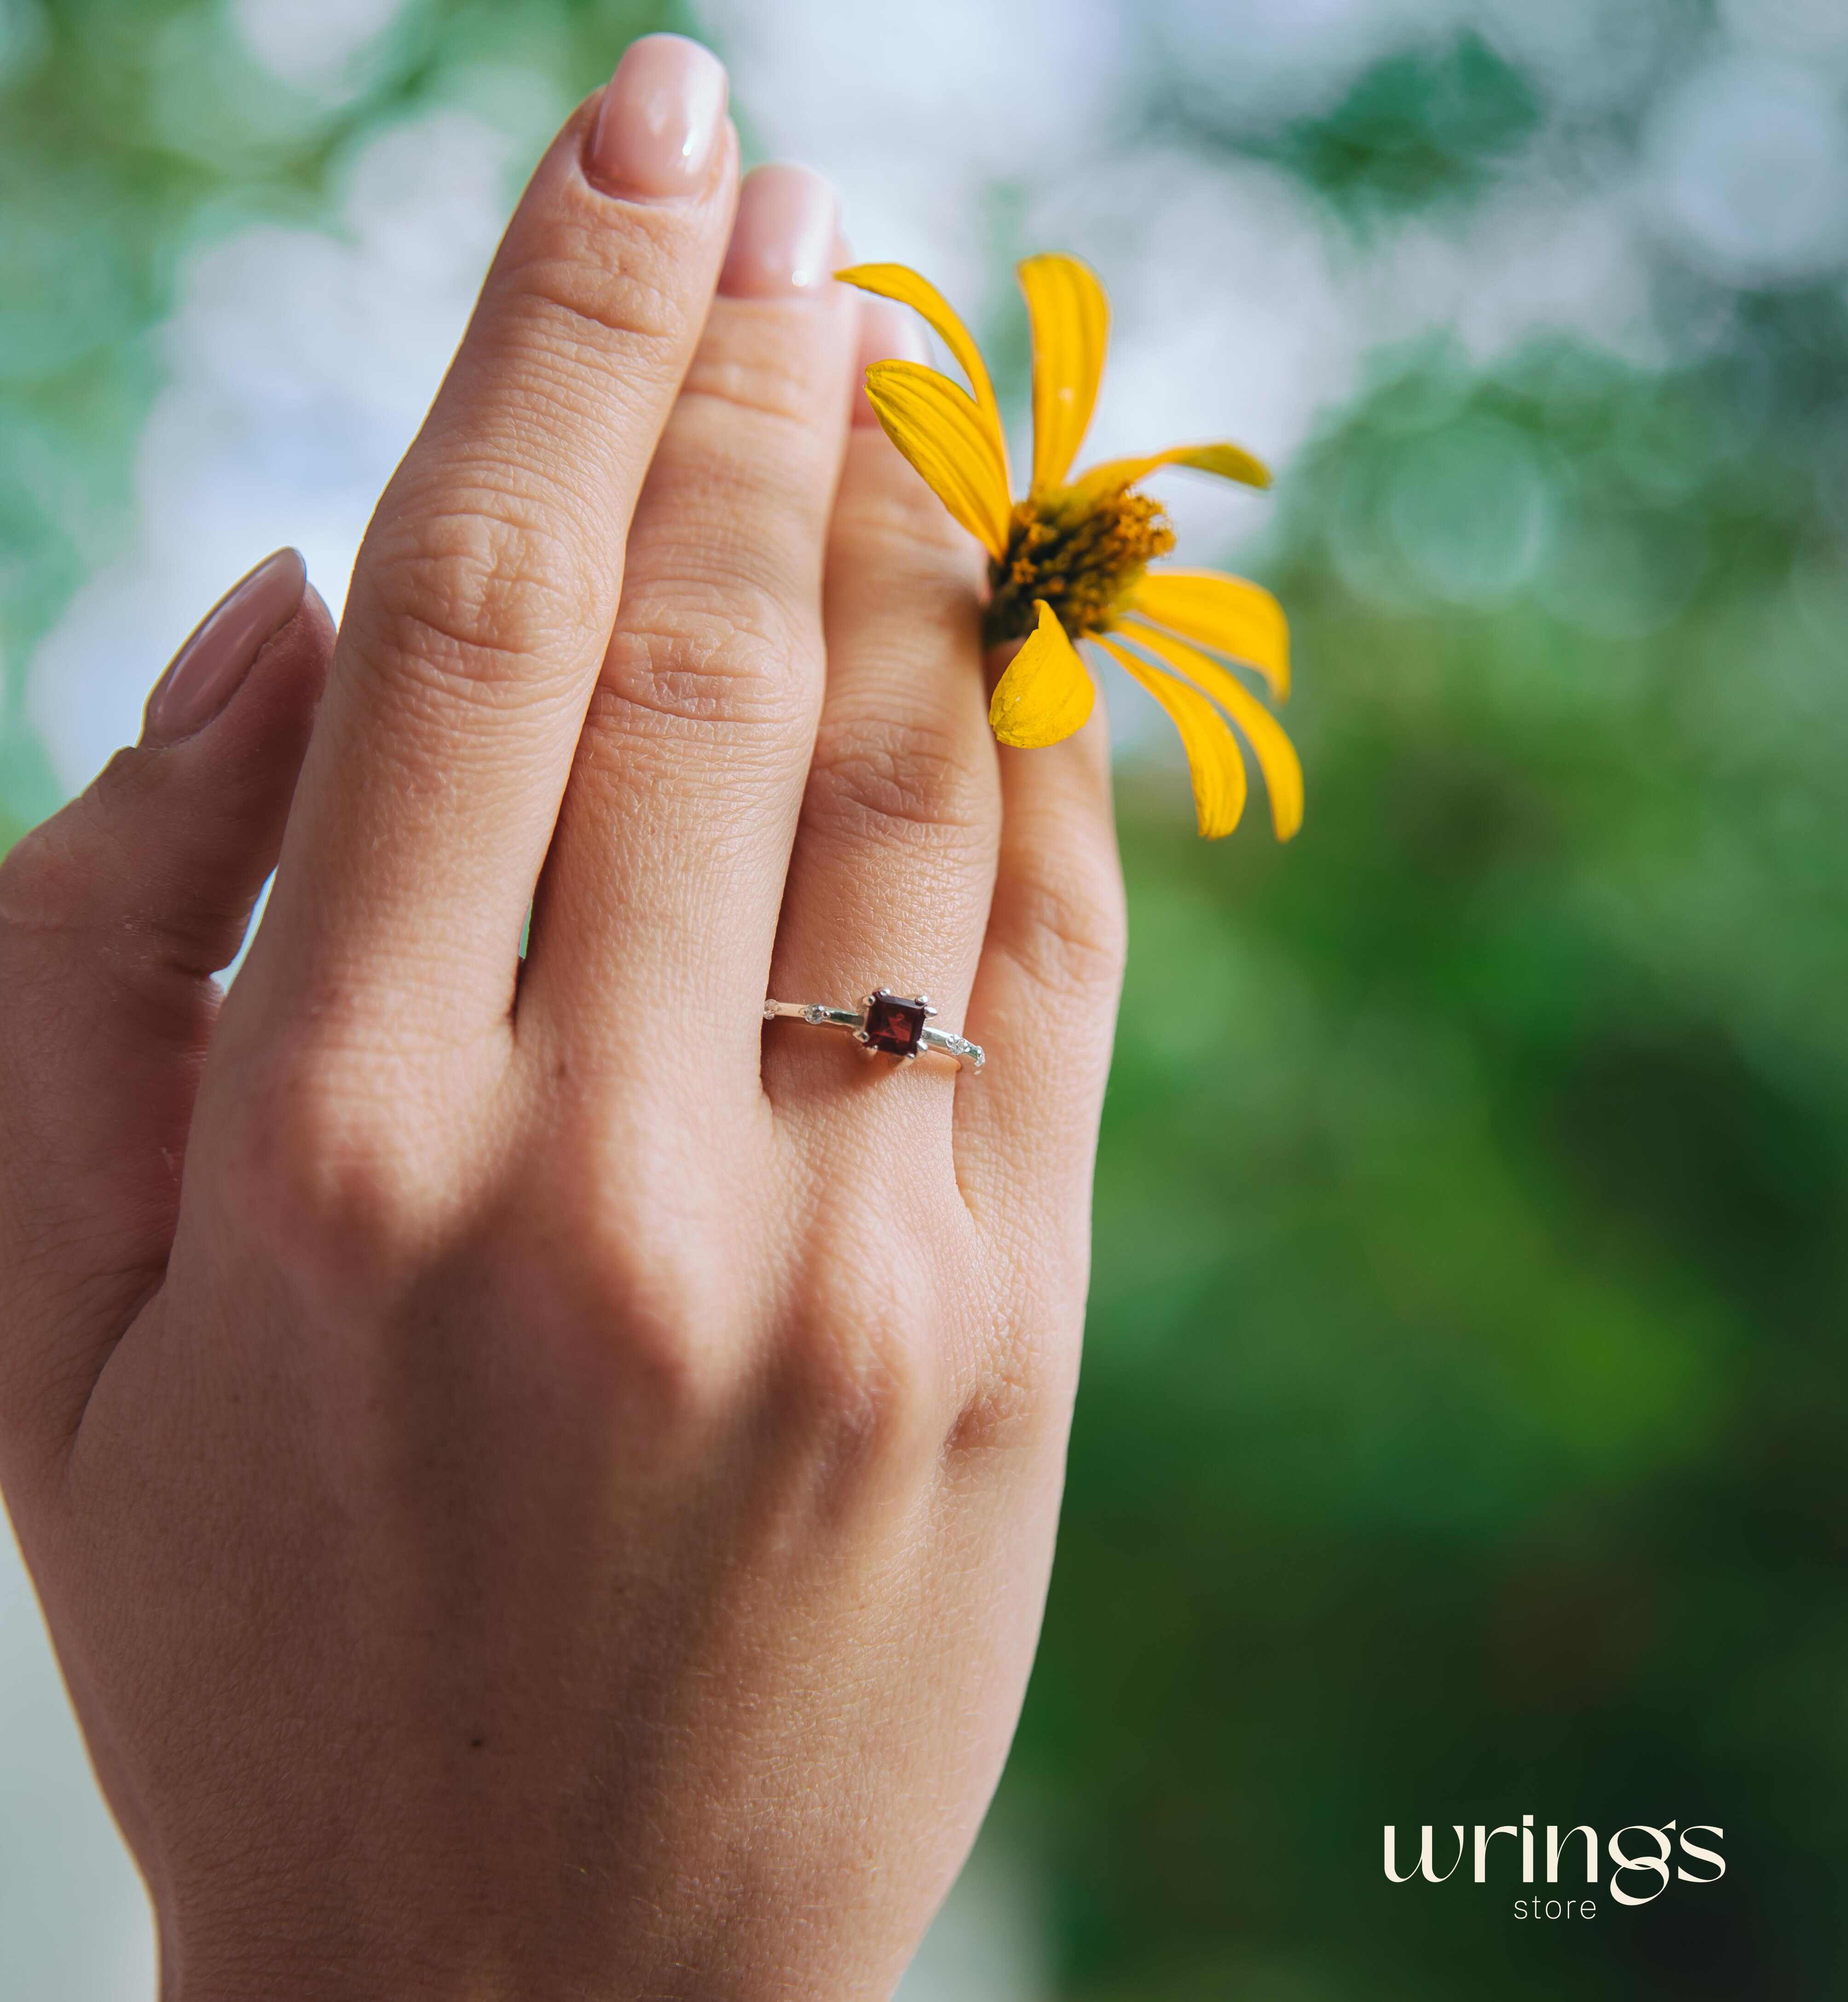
(300,360)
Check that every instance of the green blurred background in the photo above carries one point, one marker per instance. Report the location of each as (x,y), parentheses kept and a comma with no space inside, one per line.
(1462,1432)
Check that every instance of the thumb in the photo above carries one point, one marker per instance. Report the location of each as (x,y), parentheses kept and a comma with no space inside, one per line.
(114,915)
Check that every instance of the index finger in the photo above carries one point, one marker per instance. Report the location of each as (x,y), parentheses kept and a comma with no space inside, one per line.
(487,588)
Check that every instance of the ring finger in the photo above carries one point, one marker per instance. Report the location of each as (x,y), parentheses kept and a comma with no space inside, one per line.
(894,859)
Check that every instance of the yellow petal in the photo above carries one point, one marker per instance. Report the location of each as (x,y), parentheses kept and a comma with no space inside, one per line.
(1227,460)
(901,282)
(1226,613)
(1275,753)
(1047,692)
(1214,759)
(939,429)
(1071,331)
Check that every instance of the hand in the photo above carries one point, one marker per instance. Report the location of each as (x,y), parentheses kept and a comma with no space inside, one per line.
(542,1483)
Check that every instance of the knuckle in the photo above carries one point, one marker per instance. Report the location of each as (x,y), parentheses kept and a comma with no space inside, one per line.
(592,291)
(467,590)
(1006,1412)
(766,377)
(326,1177)
(1027,1380)
(605,1261)
(646,1308)
(1068,928)
(881,775)
(888,515)
(698,649)
(862,1381)
(857,1402)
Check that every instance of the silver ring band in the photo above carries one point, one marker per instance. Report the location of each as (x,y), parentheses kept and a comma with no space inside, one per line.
(896,1025)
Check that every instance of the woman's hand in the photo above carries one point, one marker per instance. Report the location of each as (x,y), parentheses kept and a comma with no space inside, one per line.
(542,1484)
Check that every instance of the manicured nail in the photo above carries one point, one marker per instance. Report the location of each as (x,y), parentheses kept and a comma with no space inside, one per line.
(787,221)
(888,333)
(207,671)
(661,118)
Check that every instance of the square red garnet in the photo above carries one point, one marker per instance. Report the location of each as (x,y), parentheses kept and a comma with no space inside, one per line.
(895,1024)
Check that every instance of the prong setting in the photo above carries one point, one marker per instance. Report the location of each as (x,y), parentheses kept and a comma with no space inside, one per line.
(894,1023)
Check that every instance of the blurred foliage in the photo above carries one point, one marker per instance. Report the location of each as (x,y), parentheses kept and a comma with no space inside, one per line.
(129,129)
(1424,124)
(1463,1415)
(1464,1408)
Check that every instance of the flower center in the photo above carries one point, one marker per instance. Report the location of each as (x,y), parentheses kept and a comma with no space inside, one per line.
(1083,557)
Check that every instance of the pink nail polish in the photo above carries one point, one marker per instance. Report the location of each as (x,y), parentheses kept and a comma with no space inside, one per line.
(207,671)
(888,333)
(658,125)
(782,239)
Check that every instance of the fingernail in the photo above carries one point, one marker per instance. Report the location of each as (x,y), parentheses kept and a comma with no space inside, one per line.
(660,119)
(780,243)
(888,333)
(206,672)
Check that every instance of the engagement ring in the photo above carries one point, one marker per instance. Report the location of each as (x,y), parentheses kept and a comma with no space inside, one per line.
(896,1025)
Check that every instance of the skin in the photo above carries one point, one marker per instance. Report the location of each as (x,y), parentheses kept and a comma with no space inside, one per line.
(541,1484)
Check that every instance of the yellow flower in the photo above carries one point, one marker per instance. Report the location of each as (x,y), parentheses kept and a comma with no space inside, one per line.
(1070,561)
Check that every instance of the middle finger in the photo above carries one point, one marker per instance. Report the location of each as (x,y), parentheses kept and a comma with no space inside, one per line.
(655,918)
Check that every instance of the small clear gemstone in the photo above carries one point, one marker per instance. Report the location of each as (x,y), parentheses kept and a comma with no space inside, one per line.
(813,1014)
